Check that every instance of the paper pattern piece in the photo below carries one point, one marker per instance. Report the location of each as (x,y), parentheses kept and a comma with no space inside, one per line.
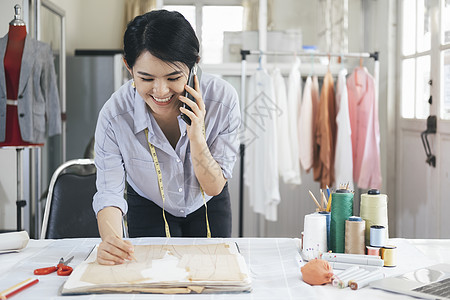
(165,269)
(13,241)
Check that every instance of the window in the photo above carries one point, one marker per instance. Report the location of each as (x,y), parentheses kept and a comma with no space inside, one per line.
(188,11)
(416,45)
(445,60)
(210,19)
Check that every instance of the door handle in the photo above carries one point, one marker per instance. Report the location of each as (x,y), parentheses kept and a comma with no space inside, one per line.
(431,129)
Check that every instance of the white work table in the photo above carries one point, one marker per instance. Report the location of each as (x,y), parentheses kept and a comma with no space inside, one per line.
(272,262)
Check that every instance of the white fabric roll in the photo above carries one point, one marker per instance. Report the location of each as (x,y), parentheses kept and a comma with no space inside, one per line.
(13,241)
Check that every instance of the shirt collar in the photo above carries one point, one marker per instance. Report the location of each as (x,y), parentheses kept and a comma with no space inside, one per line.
(141,115)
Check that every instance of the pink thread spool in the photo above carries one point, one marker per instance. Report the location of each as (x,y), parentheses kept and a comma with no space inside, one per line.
(375,251)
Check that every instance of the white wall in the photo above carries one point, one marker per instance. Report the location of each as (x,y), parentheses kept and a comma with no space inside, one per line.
(98,24)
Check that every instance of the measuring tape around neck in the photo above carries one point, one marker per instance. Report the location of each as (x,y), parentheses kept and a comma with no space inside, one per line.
(161,189)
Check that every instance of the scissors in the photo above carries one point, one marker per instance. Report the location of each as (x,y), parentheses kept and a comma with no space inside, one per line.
(62,269)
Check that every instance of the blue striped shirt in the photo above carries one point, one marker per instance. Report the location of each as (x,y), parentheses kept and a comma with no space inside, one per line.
(122,152)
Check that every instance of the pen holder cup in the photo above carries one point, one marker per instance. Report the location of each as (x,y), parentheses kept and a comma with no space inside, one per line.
(328,218)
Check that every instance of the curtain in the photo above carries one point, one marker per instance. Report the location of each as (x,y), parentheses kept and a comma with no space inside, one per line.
(251,11)
(333,25)
(135,8)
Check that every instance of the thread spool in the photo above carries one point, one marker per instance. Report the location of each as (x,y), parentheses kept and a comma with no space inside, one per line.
(373,210)
(347,273)
(354,235)
(327,215)
(389,255)
(377,236)
(375,251)
(314,236)
(341,210)
(345,283)
(362,282)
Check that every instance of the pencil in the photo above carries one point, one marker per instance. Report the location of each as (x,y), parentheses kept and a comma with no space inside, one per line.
(324,198)
(329,204)
(18,288)
(321,199)
(115,233)
(314,198)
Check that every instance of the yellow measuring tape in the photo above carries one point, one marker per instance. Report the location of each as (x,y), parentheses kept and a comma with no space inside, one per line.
(161,189)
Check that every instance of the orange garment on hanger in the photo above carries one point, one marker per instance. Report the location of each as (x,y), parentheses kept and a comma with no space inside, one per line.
(325,134)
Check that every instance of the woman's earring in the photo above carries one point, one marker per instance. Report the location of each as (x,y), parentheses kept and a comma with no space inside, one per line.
(133,85)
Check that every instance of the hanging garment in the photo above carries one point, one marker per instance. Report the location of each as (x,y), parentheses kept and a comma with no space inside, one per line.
(260,139)
(285,157)
(306,122)
(325,134)
(343,160)
(38,100)
(294,100)
(365,129)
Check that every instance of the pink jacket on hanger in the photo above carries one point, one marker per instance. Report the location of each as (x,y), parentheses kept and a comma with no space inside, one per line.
(365,128)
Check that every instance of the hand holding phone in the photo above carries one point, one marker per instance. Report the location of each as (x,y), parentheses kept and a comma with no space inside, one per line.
(194,71)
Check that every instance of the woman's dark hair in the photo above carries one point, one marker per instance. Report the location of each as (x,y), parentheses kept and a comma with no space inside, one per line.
(167,35)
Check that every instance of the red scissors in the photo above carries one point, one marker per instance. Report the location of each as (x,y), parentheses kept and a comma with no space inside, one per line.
(62,269)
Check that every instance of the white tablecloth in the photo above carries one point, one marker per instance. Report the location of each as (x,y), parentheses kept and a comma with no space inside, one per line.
(273,266)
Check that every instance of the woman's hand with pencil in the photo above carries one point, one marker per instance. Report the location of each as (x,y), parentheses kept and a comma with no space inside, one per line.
(113,249)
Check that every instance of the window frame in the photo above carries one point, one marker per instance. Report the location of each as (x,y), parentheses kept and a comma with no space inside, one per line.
(223,68)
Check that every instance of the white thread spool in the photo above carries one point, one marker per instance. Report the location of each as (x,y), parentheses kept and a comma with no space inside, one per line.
(377,236)
(314,236)
(374,211)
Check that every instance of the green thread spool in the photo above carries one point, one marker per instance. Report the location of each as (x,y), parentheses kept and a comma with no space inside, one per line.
(341,210)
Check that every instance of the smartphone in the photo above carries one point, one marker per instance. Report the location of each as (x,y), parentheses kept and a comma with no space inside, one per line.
(194,71)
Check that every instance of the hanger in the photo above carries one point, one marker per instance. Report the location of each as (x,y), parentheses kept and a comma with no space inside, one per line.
(260,60)
(311,71)
(329,61)
(360,68)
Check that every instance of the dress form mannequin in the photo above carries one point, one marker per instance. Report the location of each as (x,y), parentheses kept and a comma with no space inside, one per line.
(12,62)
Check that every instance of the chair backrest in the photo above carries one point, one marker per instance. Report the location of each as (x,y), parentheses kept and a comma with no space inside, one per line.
(68,210)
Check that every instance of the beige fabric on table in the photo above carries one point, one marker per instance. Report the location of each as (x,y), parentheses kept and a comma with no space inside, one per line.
(212,262)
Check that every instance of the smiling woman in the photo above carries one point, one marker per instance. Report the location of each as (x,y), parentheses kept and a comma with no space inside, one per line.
(181,167)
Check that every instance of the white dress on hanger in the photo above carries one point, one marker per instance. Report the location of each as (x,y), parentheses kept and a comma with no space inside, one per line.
(260,139)
(294,99)
(306,127)
(285,158)
(343,162)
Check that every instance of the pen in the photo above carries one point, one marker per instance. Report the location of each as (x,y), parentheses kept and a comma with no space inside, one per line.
(115,233)
(18,288)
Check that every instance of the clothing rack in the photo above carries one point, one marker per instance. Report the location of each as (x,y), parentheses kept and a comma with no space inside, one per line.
(244,54)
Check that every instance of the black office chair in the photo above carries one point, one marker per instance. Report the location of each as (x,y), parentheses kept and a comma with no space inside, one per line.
(68,210)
